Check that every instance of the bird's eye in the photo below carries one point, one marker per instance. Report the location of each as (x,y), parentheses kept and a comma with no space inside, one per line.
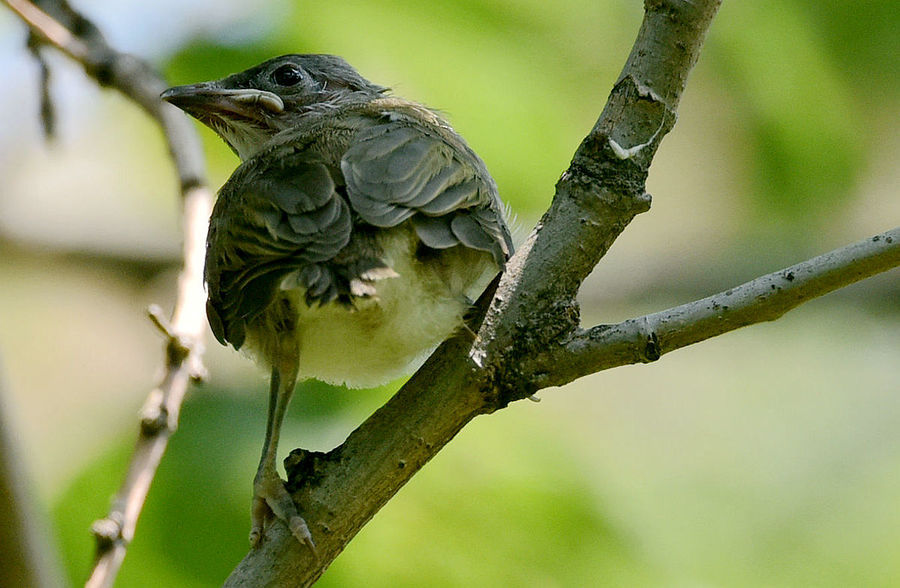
(287,75)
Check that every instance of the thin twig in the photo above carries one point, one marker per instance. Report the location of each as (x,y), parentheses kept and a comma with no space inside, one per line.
(647,338)
(52,31)
(48,113)
(28,556)
(184,347)
(159,417)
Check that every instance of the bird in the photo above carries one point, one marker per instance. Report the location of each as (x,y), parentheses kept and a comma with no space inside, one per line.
(348,243)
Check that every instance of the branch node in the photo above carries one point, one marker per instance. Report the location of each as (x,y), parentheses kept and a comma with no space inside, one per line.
(644,91)
(199,374)
(178,347)
(154,414)
(107,532)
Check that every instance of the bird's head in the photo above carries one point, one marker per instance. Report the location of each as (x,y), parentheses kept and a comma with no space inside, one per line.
(248,108)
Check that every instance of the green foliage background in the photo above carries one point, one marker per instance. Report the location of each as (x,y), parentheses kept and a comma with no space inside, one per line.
(767,457)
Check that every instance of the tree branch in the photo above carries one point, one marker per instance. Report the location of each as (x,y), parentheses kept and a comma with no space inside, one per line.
(596,198)
(56,23)
(647,338)
(28,557)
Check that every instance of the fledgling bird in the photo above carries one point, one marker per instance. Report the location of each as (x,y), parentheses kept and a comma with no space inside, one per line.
(348,243)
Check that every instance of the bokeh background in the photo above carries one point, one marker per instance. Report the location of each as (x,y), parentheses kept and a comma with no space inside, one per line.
(766,457)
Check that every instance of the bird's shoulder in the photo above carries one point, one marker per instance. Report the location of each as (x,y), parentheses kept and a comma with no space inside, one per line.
(409,163)
(396,109)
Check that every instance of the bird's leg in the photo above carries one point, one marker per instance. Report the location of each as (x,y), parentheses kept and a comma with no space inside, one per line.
(269,494)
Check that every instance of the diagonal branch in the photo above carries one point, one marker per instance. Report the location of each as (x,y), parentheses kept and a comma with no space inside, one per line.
(766,298)
(596,198)
(57,24)
(51,30)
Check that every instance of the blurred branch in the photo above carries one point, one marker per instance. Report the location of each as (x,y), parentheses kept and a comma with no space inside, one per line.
(645,339)
(28,559)
(58,24)
(51,30)
(48,113)
(532,309)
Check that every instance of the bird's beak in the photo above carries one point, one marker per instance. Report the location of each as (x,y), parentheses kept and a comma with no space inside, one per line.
(210,99)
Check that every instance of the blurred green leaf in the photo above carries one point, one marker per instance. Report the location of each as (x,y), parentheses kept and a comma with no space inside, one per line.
(797,105)
(863,38)
(502,506)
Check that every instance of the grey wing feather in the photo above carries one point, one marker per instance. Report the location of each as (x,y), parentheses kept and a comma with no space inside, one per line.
(452,198)
(276,217)
(470,233)
(399,169)
(435,231)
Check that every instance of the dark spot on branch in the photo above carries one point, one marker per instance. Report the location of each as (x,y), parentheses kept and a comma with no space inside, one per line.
(48,112)
(304,468)
(599,331)
(102,71)
(652,351)
(513,392)
(154,420)
(191,182)
(82,27)
(789,276)
(596,168)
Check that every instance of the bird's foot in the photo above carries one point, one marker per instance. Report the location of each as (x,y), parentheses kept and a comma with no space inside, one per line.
(271,500)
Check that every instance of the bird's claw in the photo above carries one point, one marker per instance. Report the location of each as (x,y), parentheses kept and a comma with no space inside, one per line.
(299,530)
(271,500)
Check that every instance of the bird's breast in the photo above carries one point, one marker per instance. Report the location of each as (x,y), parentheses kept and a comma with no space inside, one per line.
(385,336)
